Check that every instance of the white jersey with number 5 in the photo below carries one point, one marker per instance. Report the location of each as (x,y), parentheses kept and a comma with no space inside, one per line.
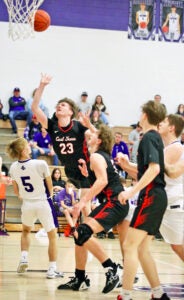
(142,16)
(29,176)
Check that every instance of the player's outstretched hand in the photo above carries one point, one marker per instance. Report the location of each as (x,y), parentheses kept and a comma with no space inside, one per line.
(45,79)
(83,167)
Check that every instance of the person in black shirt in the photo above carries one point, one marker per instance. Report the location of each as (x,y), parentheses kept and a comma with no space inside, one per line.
(57,181)
(152,202)
(105,181)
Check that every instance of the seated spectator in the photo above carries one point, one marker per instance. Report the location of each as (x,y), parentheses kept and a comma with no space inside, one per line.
(2,116)
(41,105)
(57,181)
(42,145)
(119,146)
(98,104)
(180,110)
(95,118)
(83,105)
(65,200)
(31,130)
(17,109)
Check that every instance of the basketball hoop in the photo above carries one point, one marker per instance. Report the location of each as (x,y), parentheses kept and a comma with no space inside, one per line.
(21,17)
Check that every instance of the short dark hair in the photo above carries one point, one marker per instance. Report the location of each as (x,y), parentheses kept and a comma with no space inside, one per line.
(178,122)
(155,112)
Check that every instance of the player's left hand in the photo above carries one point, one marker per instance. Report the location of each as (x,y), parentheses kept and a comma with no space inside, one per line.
(77,209)
(83,167)
(84,119)
(124,196)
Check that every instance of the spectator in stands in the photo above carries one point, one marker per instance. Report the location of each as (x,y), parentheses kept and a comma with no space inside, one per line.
(83,105)
(133,137)
(17,109)
(32,130)
(65,200)
(42,145)
(180,110)
(2,116)
(95,118)
(57,181)
(41,105)
(119,146)
(99,104)
(135,148)
(158,99)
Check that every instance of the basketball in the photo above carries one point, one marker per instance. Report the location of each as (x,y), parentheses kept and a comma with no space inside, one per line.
(165,29)
(41,20)
(143,25)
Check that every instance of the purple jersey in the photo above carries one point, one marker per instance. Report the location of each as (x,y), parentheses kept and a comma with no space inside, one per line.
(42,142)
(17,104)
(64,196)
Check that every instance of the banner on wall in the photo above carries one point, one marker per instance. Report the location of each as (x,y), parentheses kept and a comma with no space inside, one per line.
(142,20)
(171,21)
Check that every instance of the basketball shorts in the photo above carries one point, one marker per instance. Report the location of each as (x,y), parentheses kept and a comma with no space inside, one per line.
(33,210)
(109,213)
(74,174)
(150,209)
(172,227)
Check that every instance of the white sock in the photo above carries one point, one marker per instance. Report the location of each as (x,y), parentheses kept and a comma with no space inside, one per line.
(157,292)
(24,255)
(52,264)
(127,294)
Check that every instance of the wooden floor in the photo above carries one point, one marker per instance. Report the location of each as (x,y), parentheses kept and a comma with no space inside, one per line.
(34,286)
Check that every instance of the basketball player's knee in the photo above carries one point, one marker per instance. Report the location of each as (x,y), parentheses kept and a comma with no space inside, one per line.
(84,234)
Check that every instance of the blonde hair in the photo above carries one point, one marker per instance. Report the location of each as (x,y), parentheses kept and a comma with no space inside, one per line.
(15,148)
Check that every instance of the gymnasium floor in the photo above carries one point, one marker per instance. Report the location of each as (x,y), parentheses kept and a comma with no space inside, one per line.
(34,286)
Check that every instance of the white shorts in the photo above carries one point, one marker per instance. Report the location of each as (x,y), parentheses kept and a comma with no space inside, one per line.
(130,212)
(172,227)
(31,211)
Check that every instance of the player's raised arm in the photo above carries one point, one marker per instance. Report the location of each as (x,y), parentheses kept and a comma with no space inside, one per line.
(42,118)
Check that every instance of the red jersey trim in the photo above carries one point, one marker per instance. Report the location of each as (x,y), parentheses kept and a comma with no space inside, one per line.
(63,130)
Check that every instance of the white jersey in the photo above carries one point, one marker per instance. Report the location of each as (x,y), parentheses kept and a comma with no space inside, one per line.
(142,16)
(173,22)
(29,176)
(175,190)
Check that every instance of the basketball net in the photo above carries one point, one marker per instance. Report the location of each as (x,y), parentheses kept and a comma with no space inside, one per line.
(21,17)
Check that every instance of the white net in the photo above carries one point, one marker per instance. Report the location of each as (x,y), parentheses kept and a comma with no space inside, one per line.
(21,17)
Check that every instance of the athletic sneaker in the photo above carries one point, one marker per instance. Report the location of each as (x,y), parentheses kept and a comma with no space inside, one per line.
(75,284)
(52,273)
(22,267)
(164,297)
(112,279)
(120,297)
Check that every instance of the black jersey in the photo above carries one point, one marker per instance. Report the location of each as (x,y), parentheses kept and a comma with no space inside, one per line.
(69,143)
(151,150)
(114,186)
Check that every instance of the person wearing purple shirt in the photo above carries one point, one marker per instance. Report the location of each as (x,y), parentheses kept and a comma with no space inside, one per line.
(42,145)
(65,201)
(119,146)
(17,109)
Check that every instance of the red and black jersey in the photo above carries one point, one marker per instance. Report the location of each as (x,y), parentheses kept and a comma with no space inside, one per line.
(69,142)
(114,186)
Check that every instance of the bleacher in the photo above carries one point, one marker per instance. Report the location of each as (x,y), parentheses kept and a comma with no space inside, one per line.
(13,205)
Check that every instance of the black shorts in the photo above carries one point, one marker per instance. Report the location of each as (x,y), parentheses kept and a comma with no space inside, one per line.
(150,210)
(75,176)
(109,213)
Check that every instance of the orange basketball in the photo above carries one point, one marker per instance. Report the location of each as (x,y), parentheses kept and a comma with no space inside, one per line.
(165,29)
(143,25)
(41,20)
